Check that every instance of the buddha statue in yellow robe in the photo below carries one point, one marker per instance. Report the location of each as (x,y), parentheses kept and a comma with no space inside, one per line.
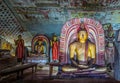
(82,52)
(40,48)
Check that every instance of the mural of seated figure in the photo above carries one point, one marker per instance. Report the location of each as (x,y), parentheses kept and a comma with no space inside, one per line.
(82,52)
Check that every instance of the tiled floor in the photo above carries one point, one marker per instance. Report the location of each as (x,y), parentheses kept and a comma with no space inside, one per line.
(41,76)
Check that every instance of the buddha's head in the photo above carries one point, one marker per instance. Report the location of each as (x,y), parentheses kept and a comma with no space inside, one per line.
(110,28)
(54,38)
(40,42)
(82,35)
(19,37)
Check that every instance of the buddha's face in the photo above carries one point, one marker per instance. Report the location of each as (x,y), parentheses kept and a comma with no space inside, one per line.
(54,38)
(83,36)
(19,37)
(40,42)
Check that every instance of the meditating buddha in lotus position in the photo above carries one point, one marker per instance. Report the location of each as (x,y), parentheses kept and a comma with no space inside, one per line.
(82,52)
(40,48)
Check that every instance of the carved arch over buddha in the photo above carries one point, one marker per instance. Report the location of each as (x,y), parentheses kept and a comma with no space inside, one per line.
(95,34)
(44,39)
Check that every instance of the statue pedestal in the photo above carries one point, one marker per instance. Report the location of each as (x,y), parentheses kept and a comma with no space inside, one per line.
(90,72)
(51,65)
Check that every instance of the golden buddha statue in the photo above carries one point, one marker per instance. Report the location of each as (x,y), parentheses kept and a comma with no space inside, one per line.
(82,52)
(40,48)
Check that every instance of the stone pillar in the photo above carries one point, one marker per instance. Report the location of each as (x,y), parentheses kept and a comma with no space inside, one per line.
(117,60)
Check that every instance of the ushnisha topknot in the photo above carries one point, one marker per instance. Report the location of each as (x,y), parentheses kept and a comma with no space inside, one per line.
(82,27)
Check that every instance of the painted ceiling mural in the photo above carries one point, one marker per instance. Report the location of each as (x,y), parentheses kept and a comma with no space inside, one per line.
(37,16)
(59,11)
(103,17)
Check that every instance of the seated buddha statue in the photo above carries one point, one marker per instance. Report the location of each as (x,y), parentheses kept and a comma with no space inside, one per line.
(82,53)
(40,48)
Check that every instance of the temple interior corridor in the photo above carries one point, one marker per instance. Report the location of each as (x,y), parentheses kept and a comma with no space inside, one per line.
(59,41)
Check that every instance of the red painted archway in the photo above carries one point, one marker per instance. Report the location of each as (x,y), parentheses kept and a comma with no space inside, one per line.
(44,39)
(69,34)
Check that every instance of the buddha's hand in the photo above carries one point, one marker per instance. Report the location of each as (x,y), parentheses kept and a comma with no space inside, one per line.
(83,66)
(91,61)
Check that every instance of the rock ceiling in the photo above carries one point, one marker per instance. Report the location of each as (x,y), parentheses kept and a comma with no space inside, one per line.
(52,11)
(17,15)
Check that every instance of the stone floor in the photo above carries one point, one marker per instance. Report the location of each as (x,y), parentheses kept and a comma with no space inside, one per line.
(41,76)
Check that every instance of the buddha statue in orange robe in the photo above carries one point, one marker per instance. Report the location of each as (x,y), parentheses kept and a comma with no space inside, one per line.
(55,46)
(19,48)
